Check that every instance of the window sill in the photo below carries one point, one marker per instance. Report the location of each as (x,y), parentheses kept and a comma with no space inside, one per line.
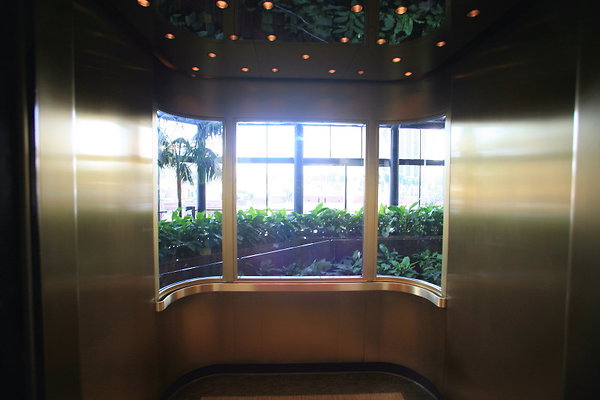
(419,288)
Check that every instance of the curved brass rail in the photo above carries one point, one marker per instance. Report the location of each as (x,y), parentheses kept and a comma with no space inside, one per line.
(415,287)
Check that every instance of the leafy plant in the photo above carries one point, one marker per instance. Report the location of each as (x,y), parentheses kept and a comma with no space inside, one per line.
(421,18)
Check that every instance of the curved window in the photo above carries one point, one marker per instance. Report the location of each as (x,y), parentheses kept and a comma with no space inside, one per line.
(299,203)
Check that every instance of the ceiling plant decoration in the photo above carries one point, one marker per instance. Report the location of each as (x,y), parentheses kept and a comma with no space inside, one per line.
(202,17)
(409,19)
(302,20)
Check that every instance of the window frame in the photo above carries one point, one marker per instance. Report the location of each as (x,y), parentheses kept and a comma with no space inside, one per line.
(231,282)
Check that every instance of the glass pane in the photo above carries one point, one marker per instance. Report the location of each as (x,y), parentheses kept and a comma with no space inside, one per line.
(432,185)
(280,187)
(322,238)
(346,142)
(280,140)
(410,229)
(251,141)
(189,227)
(410,143)
(434,144)
(317,141)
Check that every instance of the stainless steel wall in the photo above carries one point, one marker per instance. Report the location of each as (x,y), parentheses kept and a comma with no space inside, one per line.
(583,321)
(512,107)
(94,133)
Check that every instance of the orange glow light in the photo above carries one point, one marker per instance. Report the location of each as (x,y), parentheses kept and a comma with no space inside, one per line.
(271,38)
(344,39)
(144,3)
(408,73)
(275,69)
(245,69)
(222,4)
(401,10)
(331,71)
(381,41)
(356,8)
(233,37)
(211,55)
(305,56)
(360,72)
(195,68)
(169,36)
(396,59)
(440,43)
(473,13)
(267,5)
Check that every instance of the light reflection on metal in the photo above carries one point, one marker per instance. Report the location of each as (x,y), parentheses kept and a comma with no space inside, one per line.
(416,287)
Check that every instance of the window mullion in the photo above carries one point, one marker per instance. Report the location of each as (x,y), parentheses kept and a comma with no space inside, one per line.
(370,207)
(229,226)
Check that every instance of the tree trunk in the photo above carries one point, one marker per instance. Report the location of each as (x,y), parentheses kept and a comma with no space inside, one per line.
(179,205)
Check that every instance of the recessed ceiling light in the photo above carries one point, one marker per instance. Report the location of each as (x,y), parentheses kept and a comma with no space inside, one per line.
(144,3)
(222,4)
(275,69)
(271,38)
(212,55)
(331,71)
(396,59)
(441,43)
(305,56)
(267,5)
(356,8)
(245,69)
(401,10)
(169,36)
(360,72)
(233,37)
(473,13)
(381,41)
(408,73)
(344,39)
(194,68)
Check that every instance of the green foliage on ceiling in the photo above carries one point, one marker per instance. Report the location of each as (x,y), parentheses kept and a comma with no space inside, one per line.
(307,20)
(310,20)
(421,18)
(198,16)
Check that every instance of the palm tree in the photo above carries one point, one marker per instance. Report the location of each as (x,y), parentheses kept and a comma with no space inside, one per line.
(207,161)
(182,152)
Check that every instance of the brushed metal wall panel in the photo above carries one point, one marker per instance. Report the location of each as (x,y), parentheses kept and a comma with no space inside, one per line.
(114,165)
(511,153)
(583,323)
(56,198)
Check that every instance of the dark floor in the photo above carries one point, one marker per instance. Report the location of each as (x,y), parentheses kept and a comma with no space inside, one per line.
(304,386)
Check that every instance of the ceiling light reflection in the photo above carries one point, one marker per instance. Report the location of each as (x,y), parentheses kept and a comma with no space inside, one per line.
(268,5)
(271,38)
(144,3)
(401,10)
(396,59)
(222,4)
(169,36)
(473,13)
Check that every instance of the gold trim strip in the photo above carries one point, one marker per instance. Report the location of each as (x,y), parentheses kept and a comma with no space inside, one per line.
(403,285)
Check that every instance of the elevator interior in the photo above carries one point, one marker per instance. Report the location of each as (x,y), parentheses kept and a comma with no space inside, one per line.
(521,94)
